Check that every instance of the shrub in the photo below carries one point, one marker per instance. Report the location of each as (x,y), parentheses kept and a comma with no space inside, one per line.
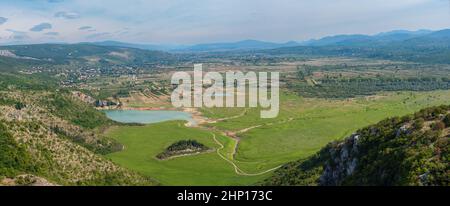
(19,105)
(419,123)
(182,147)
(438,126)
(447,120)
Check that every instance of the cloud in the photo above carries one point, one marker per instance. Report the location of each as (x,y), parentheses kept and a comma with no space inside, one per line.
(3,20)
(18,35)
(41,27)
(16,31)
(52,33)
(99,35)
(85,28)
(202,21)
(67,15)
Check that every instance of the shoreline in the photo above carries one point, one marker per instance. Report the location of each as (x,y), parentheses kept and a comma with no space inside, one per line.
(196,115)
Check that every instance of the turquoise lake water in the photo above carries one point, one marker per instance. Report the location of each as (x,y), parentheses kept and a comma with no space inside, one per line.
(147,117)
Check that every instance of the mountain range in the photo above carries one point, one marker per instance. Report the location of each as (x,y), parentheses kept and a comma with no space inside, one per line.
(209,47)
(246,45)
(400,45)
(380,39)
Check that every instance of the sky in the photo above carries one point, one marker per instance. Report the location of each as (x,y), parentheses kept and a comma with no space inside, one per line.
(205,21)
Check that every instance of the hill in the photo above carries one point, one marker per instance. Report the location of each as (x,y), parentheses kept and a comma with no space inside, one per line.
(249,45)
(48,137)
(422,47)
(154,47)
(245,45)
(83,53)
(383,38)
(412,150)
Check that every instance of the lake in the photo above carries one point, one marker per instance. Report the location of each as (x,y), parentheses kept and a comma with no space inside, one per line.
(148,117)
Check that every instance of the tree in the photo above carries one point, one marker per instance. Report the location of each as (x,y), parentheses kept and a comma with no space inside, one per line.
(19,105)
(300,74)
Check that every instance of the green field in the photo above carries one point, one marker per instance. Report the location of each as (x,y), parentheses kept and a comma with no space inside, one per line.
(142,144)
(302,128)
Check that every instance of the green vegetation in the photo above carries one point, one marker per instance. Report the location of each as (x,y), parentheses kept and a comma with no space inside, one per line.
(13,158)
(143,143)
(183,147)
(64,106)
(38,142)
(14,81)
(19,105)
(86,53)
(305,125)
(48,132)
(429,48)
(351,87)
(362,78)
(447,120)
(388,153)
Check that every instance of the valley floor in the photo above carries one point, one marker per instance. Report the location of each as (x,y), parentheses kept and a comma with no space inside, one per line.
(249,148)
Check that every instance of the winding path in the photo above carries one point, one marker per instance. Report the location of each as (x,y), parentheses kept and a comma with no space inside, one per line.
(233,117)
(238,170)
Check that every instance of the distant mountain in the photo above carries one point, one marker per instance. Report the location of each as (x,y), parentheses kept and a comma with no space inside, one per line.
(380,39)
(159,47)
(338,40)
(439,39)
(383,38)
(237,46)
(210,47)
(359,40)
(419,46)
(405,33)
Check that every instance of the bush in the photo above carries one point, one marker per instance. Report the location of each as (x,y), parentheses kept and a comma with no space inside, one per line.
(447,120)
(182,147)
(19,105)
(438,126)
(419,123)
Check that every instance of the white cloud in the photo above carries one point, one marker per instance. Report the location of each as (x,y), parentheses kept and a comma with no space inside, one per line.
(67,15)
(85,28)
(52,33)
(198,21)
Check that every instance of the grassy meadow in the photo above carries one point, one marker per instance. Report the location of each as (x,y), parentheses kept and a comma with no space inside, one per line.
(143,143)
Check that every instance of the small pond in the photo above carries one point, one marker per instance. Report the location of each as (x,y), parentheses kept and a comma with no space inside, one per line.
(148,117)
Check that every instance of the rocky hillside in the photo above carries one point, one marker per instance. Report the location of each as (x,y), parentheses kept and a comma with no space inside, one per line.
(412,150)
(51,138)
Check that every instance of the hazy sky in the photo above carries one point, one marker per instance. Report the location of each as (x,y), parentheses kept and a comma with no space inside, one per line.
(201,21)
